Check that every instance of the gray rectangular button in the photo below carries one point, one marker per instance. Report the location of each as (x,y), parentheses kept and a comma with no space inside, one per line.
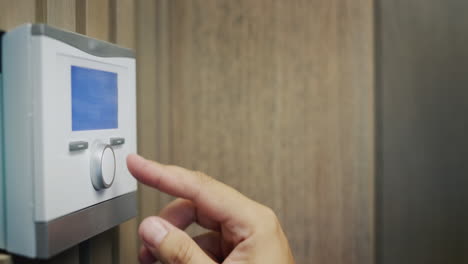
(117,141)
(77,145)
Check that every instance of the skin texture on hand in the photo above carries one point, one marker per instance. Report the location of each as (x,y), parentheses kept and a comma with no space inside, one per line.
(242,231)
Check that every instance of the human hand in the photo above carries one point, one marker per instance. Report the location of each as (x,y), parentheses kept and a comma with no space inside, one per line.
(243,231)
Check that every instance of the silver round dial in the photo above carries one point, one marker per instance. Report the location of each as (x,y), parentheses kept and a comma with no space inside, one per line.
(102,166)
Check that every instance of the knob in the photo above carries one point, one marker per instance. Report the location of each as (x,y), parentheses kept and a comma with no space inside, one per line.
(102,166)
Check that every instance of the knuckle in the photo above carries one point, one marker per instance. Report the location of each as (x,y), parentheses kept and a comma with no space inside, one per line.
(183,255)
(269,212)
(271,222)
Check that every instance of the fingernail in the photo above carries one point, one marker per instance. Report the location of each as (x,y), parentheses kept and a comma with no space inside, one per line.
(154,233)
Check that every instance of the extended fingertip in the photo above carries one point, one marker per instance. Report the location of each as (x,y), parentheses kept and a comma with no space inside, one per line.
(134,159)
(134,163)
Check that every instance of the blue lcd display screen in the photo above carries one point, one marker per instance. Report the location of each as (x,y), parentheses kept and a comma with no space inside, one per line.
(94,99)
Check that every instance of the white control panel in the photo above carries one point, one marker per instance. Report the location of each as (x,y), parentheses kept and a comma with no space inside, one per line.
(69,119)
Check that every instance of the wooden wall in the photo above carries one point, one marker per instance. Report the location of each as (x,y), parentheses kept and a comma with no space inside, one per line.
(276,99)
(272,97)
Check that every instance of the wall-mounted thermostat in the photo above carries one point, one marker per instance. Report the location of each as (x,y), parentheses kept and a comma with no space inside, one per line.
(69,121)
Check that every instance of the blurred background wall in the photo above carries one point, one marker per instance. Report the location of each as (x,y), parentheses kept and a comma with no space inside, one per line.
(422,127)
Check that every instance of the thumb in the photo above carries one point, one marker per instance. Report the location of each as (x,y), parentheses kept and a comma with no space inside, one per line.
(169,244)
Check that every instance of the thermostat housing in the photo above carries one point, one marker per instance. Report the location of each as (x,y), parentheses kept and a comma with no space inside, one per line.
(69,121)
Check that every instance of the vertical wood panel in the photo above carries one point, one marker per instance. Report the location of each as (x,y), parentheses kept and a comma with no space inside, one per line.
(356,71)
(59,13)
(125,23)
(127,247)
(80,14)
(123,33)
(163,94)
(163,88)
(15,13)
(154,114)
(101,247)
(97,19)
(93,18)
(275,99)
(147,96)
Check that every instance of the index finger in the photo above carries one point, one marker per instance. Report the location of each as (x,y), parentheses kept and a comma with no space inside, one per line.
(217,200)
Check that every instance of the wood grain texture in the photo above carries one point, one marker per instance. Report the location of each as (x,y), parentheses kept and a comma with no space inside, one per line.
(147,106)
(59,13)
(356,71)
(93,18)
(124,33)
(102,246)
(276,99)
(15,13)
(153,44)
(422,61)
(97,19)
(124,22)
